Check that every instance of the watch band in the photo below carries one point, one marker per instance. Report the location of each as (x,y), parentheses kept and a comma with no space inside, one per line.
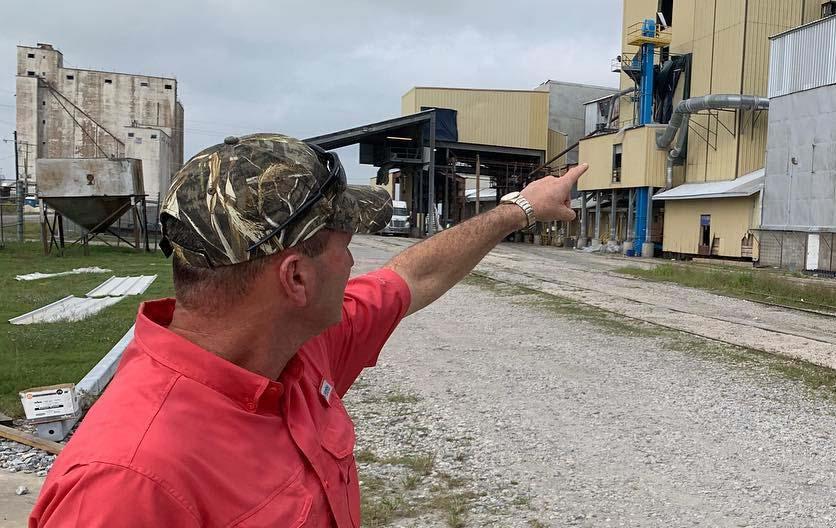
(525,205)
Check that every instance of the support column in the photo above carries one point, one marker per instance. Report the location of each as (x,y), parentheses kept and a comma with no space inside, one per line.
(647,247)
(431,216)
(613,219)
(584,213)
(478,182)
(628,244)
(597,240)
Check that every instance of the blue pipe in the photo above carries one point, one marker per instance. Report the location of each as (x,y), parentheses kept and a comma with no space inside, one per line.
(648,54)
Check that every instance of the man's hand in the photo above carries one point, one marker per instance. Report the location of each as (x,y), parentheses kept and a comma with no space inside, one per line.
(551,197)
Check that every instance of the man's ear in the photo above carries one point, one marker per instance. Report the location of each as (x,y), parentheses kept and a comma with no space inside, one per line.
(294,277)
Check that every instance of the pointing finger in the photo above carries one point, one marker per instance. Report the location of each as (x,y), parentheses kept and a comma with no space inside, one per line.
(576,172)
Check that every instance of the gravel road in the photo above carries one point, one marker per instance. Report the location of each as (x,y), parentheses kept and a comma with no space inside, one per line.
(531,396)
(599,420)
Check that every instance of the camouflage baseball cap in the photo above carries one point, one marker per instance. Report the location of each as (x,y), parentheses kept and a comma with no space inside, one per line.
(260,194)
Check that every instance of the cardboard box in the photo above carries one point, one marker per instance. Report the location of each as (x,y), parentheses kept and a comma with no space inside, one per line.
(49,404)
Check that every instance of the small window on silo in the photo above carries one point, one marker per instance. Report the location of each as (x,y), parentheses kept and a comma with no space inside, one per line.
(108,81)
(43,121)
(30,55)
(130,134)
(30,73)
(70,77)
(167,87)
(153,136)
(143,84)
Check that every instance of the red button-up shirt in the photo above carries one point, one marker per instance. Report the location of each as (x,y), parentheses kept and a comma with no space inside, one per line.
(182,437)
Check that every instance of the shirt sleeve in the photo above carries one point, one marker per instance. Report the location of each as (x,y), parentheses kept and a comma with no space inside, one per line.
(107,495)
(373,306)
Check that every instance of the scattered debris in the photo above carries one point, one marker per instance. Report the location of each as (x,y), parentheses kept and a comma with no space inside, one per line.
(119,286)
(21,490)
(70,308)
(76,271)
(28,439)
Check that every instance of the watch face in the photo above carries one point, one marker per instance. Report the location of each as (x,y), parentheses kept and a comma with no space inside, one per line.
(510,196)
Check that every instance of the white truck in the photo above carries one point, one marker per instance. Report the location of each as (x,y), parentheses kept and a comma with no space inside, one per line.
(399,224)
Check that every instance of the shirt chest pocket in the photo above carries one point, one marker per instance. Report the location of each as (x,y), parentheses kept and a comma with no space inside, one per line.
(289,506)
(338,440)
(338,433)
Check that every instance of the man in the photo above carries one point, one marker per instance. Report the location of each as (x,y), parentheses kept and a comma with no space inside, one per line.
(226,409)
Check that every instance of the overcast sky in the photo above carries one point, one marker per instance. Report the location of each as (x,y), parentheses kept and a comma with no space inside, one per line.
(313,67)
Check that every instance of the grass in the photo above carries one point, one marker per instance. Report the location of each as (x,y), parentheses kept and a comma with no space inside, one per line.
(821,381)
(45,354)
(745,284)
(421,464)
(400,397)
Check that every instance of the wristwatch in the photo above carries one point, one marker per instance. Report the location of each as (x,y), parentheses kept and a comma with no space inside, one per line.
(518,199)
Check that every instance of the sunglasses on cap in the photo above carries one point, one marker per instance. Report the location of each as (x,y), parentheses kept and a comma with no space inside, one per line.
(336,174)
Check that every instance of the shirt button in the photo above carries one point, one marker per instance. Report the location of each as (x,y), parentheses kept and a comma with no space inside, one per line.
(250,405)
(326,483)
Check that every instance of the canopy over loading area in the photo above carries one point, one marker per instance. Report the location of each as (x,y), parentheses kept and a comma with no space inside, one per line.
(423,150)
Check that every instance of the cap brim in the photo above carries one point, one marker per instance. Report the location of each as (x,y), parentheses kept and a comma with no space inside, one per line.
(362,209)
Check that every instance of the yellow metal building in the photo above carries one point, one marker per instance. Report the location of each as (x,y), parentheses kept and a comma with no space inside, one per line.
(508,118)
(729,45)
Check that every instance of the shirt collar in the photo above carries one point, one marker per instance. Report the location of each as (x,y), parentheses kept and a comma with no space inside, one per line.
(253,392)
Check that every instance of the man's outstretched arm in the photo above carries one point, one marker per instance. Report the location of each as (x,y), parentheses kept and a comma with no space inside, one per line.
(435,265)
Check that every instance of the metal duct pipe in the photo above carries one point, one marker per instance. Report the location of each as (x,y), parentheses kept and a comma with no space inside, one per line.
(681,116)
(614,100)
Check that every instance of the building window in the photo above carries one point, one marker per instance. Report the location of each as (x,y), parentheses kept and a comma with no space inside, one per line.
(153,136)
(30,55)
(666,10)
(43,103)
(143,84)
(130,134)
(167,87)
(43,121)
(108,81)
(30,73)
(70,77)
(616,163)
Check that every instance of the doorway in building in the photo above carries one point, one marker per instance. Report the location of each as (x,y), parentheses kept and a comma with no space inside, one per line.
(705,235)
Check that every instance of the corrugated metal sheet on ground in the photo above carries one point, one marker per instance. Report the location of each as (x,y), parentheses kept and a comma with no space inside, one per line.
(69,308)
(117,286)
(741,187)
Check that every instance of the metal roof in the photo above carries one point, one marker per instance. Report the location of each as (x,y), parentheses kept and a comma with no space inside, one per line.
(69,308)
(741,187)
(485,195)
(118,286)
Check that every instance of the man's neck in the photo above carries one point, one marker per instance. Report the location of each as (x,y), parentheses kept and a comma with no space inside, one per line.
(255,342)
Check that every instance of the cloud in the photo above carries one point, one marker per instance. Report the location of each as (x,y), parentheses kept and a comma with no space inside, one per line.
(308,68)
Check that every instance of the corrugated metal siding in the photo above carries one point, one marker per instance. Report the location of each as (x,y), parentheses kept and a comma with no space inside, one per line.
(803,59)
(69,308)
(764,18)
(494,117)
(119,286)
(731,219)
(408,103)
(557,144)
(720,65)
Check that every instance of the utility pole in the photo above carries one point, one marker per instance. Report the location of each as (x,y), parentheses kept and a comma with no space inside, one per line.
(20,190)
(478,181)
